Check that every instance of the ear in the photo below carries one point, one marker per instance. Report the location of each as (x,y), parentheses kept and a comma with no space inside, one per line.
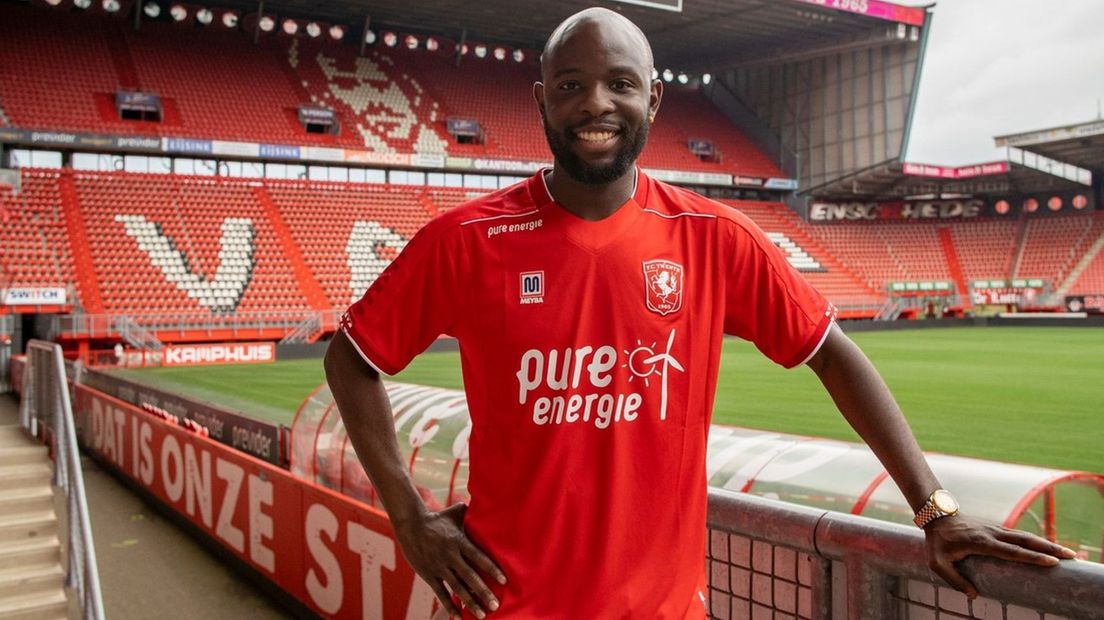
(538,96)
(654,98)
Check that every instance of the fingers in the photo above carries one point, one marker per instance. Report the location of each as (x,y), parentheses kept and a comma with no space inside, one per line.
(950,574)
(1036,543)
(458,582)
(445,598)
(482,561)
(473,583)
(1017,553)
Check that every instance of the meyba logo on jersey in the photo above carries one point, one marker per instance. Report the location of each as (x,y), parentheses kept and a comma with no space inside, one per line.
(532,287)
(662,286)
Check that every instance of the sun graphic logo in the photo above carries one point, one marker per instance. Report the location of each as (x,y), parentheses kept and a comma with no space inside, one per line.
(644,362)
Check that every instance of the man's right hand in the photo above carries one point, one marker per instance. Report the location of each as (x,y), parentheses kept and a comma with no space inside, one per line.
(437,548)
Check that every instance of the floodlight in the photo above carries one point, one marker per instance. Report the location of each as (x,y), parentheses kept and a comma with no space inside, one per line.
(500,53)
(290,27)
(179,12)
(683,78)
(337,32)
(519,56)
(313,30)
(464,49)
(1080,201)
(432,44)
(480,51)
(655,74)
(111,6)
(369,37)
(390,39)
(230,19)
(668,75)
(411,42)
(1055,203)
(266,23)
(152,10)
(706,78)
(82,4)
(205,16)
(53,2)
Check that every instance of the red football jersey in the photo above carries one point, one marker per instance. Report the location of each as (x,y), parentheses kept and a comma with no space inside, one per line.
(590,354)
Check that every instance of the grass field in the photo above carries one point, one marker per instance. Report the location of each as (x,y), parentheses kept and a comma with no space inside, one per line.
(1024,395)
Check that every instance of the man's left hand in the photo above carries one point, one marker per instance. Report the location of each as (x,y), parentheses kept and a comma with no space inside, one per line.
(950,539)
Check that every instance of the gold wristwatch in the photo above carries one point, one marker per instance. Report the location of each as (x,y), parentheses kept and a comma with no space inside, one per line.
(940,504)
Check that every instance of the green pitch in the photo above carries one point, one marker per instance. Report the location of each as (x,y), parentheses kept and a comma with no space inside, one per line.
(1024,395)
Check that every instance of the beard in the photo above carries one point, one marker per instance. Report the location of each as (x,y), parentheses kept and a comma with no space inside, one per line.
(632,144)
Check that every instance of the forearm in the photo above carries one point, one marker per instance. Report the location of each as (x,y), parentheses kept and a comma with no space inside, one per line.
(868,406)
(366,412)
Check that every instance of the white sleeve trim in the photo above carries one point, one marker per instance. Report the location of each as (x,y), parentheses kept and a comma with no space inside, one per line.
(366,359)
(820,344)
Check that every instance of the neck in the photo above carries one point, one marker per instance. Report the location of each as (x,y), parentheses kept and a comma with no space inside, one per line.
(590,202)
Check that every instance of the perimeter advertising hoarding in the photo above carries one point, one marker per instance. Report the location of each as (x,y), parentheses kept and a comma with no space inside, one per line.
(332,553)
(913,16)
(1037,205)
(1091,304)
(219,353)
(260,439)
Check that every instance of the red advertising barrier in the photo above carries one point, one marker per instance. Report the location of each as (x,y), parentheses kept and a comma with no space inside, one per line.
(334,554)
(219,353)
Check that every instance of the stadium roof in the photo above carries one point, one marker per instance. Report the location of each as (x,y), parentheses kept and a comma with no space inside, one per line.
(894,180)
(1081,145)
(705,35)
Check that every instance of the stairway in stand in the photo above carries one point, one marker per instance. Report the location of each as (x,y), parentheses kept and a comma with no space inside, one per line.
(947,241)
(32,581)
(308,284)
(88,287)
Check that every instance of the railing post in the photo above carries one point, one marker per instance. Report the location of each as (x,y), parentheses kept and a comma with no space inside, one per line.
(868,591)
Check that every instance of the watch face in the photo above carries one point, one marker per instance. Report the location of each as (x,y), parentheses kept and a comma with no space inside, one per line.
(944,502)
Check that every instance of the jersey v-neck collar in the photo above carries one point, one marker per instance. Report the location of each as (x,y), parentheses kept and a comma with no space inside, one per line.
(593,236)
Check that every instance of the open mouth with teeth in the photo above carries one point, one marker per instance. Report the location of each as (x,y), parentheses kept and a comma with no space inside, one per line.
(595,136)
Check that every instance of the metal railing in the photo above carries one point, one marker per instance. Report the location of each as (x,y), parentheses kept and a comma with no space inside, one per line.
(107,325)
(46,411)
(768,558)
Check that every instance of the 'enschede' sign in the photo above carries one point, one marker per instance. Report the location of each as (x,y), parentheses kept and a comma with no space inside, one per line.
(219,353)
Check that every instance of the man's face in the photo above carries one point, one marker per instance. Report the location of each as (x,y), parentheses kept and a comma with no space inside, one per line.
(595,100)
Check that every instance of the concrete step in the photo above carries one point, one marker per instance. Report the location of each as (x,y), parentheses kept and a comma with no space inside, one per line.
(34,606)
(14,435)
(33,499)
(24,455)
(25,475)
(28,525)
(14,554)
(31,579)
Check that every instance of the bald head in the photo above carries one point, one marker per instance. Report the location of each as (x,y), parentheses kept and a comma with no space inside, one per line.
(610,27)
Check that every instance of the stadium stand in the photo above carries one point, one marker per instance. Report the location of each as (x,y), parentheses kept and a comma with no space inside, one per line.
(985,248)
(835,280)
(33,233)
(1053,245)
(883,252)
(183,245)
(366,226)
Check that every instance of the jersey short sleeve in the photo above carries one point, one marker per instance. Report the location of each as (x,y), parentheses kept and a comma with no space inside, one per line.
(412,302)
(769,303)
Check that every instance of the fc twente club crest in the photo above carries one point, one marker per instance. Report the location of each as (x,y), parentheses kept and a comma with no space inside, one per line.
(663,286)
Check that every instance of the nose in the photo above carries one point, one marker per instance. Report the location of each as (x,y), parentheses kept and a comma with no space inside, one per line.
(598,101)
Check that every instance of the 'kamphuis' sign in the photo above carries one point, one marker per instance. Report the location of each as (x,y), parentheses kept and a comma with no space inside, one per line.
(221,353)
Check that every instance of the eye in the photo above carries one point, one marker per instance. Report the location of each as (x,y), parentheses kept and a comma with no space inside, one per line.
(621,84)
(568,85)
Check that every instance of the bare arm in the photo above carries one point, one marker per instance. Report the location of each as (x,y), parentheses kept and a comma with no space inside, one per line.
(434,544)
(868,406)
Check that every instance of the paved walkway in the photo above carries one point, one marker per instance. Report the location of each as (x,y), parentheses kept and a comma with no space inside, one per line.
(149,568)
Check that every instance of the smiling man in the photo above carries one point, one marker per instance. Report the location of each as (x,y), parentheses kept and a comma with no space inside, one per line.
(590,303)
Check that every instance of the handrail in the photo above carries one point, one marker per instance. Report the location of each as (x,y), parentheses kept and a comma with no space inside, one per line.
(46,397)
(883,565)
